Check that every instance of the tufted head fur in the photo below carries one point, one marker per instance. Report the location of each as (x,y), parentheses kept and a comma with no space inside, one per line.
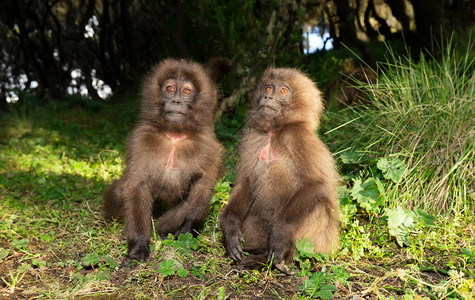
(305,105)
(202,108)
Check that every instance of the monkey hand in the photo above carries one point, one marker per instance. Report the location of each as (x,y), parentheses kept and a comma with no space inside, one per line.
(233,245)
(280,247)
(138,252)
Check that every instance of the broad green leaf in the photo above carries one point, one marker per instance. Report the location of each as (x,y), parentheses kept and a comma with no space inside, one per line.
(400,221)
(392,168)
(90,259)
(305,249)
(167,268)
(310,285)
(103,275)
(313,287)
(222,186)
(20,244)
(424,217)
(110,261)
(187,242)
(349,157)
(38,262)
(367,195)
(340,274)
(326,292)
(182,272)
(3,253)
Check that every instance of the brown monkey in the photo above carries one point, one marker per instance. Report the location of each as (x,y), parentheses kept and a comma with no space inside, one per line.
(173,158)
(286,179)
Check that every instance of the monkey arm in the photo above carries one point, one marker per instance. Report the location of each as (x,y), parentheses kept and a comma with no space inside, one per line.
(137,216)
(192,211)
(232,217)
(197,203)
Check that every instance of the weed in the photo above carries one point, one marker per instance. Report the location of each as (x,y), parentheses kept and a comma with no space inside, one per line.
(15,278)
(314,287)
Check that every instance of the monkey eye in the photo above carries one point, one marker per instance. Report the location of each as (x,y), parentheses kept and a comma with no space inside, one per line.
(269,89)
(284,91)
(186,91)
(171,89)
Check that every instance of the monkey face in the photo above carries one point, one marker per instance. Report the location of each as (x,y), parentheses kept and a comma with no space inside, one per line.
(178,96)
(275,96)
(285,96)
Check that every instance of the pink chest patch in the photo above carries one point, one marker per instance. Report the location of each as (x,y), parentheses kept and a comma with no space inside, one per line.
(171,161)
(268,154)
(175,137)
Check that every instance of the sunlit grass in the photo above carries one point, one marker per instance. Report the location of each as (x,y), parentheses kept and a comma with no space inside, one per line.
(422,111)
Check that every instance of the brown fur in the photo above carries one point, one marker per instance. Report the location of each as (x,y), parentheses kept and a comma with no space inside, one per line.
(288,191)
(177,175)
(218,67)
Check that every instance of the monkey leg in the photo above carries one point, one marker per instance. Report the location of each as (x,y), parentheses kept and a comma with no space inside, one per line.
(321,226)
(171,220)
(294,217)
(191,212)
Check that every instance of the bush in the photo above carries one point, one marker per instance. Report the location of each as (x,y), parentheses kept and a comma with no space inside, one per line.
(423,113)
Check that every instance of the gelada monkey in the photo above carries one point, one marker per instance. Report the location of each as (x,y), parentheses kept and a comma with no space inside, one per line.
(286,180)
(173,158)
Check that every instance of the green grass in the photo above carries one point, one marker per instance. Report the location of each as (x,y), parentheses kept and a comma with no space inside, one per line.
(57,159)
(423,113)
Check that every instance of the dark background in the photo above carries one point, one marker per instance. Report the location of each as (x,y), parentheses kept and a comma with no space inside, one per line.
(44,41)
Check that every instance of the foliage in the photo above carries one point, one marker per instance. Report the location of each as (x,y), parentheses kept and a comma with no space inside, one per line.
(399,222)
(314,287)
(420,115)
(391,169)
(183,244)
(83,46)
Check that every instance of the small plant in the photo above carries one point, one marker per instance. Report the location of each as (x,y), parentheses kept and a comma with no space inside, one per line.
(422,112)
(319,284)
(400,222)
(306,257)
(183,246)
(315,287)
(20,243)
(367,194)
(167,268)
(15,278)
(184,243)
(392,169)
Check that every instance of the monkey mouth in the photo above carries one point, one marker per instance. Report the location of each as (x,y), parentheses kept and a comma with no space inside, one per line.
(174,115)
(266,110)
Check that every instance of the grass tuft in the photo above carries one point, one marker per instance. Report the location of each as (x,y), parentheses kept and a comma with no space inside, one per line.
(423,113)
